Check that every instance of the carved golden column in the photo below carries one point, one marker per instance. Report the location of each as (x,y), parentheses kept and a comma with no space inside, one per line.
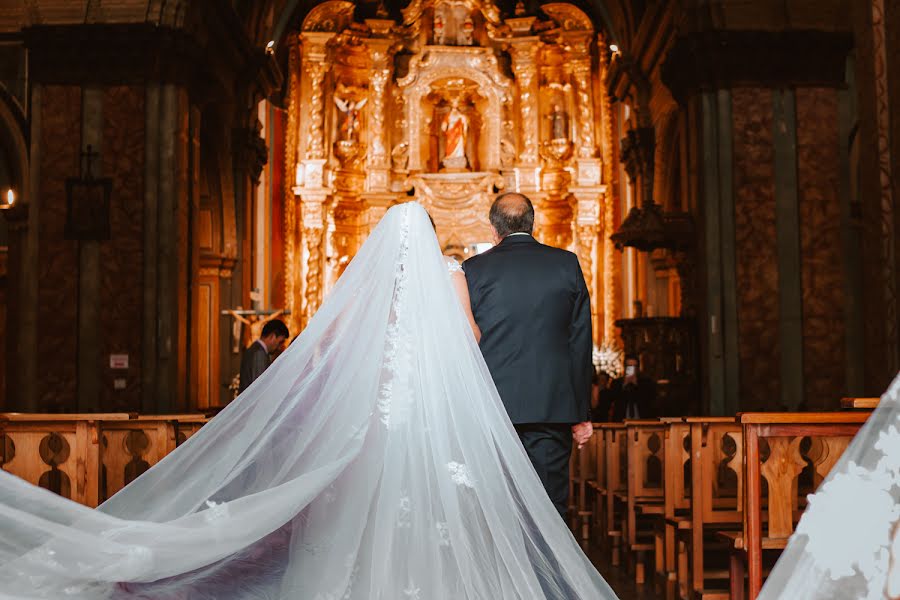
(378,196)
(313,214)
(312,195)
(291,163)
(611,266)
(580,62)
(524,53)
(378,159)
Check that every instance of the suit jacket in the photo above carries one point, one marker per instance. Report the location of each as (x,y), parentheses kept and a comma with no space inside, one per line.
(534,311)
(254,361)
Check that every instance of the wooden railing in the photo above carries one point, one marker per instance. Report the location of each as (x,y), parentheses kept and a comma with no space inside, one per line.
(89,457)
(731,487)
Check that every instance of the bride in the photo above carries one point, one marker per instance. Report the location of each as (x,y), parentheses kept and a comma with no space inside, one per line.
(372,461)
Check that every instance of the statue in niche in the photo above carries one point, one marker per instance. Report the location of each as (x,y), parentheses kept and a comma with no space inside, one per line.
(348,129)
(439,33)
(559,123)
(455,126)
(466,32)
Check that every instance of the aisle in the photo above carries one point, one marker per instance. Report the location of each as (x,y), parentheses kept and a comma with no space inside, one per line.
(620,581)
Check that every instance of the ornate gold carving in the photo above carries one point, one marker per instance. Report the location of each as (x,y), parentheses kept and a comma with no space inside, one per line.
(581,72)
(568,16)
(315,239)
(333,16)
(476,65)
(524,54)
(532,130)
(315,144)
(459,202)
(611,266)
(291,164)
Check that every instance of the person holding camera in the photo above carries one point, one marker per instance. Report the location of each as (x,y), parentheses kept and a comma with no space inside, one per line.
(633,395)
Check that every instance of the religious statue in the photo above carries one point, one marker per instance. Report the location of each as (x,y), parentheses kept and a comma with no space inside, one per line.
(559,123)
(349,126)
(455,126)
(439,32)
(466,35)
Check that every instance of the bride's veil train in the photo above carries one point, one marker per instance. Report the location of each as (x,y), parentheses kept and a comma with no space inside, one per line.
(372,461)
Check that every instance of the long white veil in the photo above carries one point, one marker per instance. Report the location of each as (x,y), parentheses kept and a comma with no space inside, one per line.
(847,544)
(372,461)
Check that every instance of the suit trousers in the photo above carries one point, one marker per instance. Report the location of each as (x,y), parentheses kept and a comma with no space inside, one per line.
(549,446)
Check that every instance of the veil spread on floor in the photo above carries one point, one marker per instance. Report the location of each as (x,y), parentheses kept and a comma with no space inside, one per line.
(372,461)
(847,543)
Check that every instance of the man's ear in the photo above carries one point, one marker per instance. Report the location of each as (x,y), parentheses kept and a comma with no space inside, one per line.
(495,235)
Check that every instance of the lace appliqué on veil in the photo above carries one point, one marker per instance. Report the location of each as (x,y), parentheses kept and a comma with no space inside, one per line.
(396,351)
(857,500)
(459,473)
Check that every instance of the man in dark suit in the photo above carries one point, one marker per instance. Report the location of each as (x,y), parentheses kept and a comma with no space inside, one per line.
(256,357)
(533,308)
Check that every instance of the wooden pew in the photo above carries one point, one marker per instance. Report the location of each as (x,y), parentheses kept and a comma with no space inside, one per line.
(598,486)
(60,452)
(89,457)
(583,469)
(676,496)
(644,494)
(616,482)
(131,447)
(767,526)
(713,505)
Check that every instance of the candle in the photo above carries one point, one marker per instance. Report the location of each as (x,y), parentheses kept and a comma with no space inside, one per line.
(10,197)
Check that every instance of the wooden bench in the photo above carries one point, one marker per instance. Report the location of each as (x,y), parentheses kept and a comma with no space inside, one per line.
(643,496)
(676,496)
(769,521)
(616,483)
(583,469)
(89,457)
(59,452)
(716,447)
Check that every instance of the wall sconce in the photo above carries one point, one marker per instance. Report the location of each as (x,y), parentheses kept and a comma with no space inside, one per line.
(87,204)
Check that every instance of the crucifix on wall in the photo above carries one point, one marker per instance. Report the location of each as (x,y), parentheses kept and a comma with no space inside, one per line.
(254,319)
(88,202)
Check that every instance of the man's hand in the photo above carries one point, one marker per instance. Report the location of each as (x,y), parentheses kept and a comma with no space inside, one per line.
(582,432)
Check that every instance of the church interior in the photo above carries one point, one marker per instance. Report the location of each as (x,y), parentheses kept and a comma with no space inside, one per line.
(175,174)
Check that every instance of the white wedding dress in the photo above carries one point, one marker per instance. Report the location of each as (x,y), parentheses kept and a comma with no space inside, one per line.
(847,544)
(372,461)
